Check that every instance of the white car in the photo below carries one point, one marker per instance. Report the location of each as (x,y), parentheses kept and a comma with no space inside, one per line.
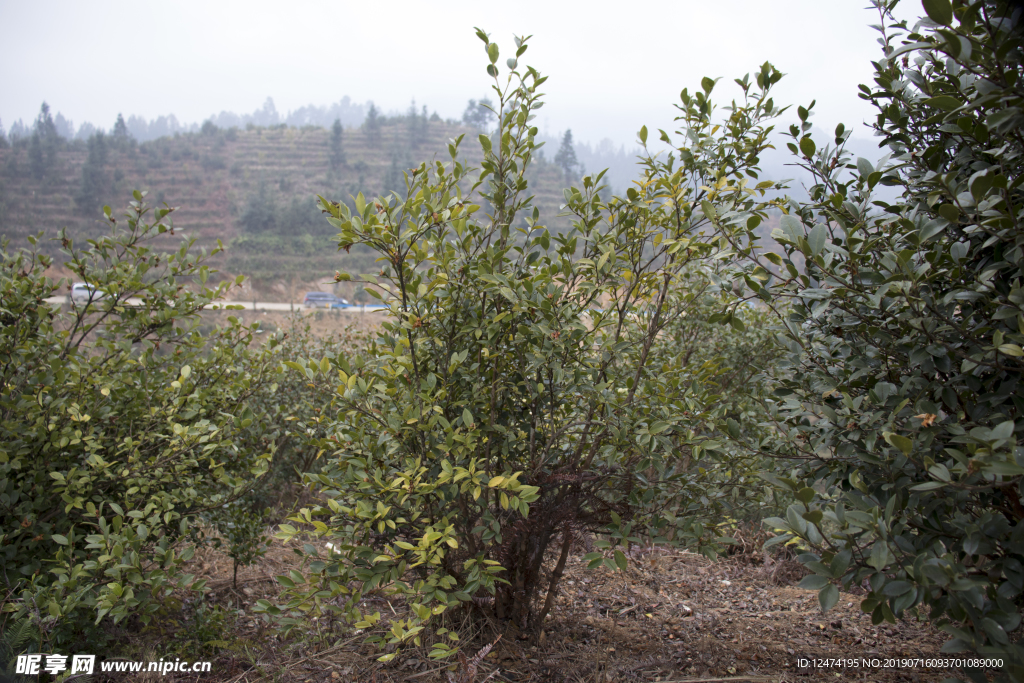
(81,291)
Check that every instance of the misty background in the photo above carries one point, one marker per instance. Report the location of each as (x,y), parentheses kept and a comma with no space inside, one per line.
(240,115)
(236,63)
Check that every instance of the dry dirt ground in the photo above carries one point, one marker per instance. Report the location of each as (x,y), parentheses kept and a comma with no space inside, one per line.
(671,617)
(322,322)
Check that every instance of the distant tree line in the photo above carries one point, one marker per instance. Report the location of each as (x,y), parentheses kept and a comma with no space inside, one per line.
(335,117)
(346,111)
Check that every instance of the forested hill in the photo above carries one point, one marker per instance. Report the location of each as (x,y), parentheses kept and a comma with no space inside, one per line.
(254,188)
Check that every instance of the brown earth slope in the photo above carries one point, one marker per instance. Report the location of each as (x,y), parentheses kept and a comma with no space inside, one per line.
(671,617)
(212,176)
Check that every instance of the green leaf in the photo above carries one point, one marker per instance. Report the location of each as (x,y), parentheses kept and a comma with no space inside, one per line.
(901,442)
(944,102)
(792,227)
(813,582)
(707,85)
(1011,350)
(817,238)
(1003,430)
(840,563)
(63,540)
(708,209)
(879,555)
(807,146)
(492,52)
(895,589)
(939,11)
(828,597)
(950,213)
(620,560)
(643,135)
(467,418)
(814,516)
(658,427)
(931,229)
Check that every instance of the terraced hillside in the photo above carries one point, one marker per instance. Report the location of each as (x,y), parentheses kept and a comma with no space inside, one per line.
(252,189)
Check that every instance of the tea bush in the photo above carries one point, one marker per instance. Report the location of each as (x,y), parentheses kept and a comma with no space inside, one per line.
(900,385)
(119,424)
(516,399)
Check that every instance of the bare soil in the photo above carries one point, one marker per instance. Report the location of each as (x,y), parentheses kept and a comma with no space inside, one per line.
(323,323)
(671,617)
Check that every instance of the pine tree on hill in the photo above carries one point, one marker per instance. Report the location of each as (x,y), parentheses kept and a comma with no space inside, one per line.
(42,151)
(566,157)
(416,124)
(45,126)
(36,161)
(95,185)
(336,153)
(372,124)
(121,129)
(394,181)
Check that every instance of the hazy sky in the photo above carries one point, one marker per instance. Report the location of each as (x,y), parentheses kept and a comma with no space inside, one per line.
(613,66)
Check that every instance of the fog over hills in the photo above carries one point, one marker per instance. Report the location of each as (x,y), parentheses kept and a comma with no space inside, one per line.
(620,159)
(348,112)
(251,180)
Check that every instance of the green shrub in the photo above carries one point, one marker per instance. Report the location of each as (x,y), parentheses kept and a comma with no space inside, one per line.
(736,355)
(119,423)
(243,529)
(202,629)
(294,415)
(513,401)
(901,386)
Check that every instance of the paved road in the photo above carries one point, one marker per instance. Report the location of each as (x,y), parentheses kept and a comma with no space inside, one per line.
(259,305)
